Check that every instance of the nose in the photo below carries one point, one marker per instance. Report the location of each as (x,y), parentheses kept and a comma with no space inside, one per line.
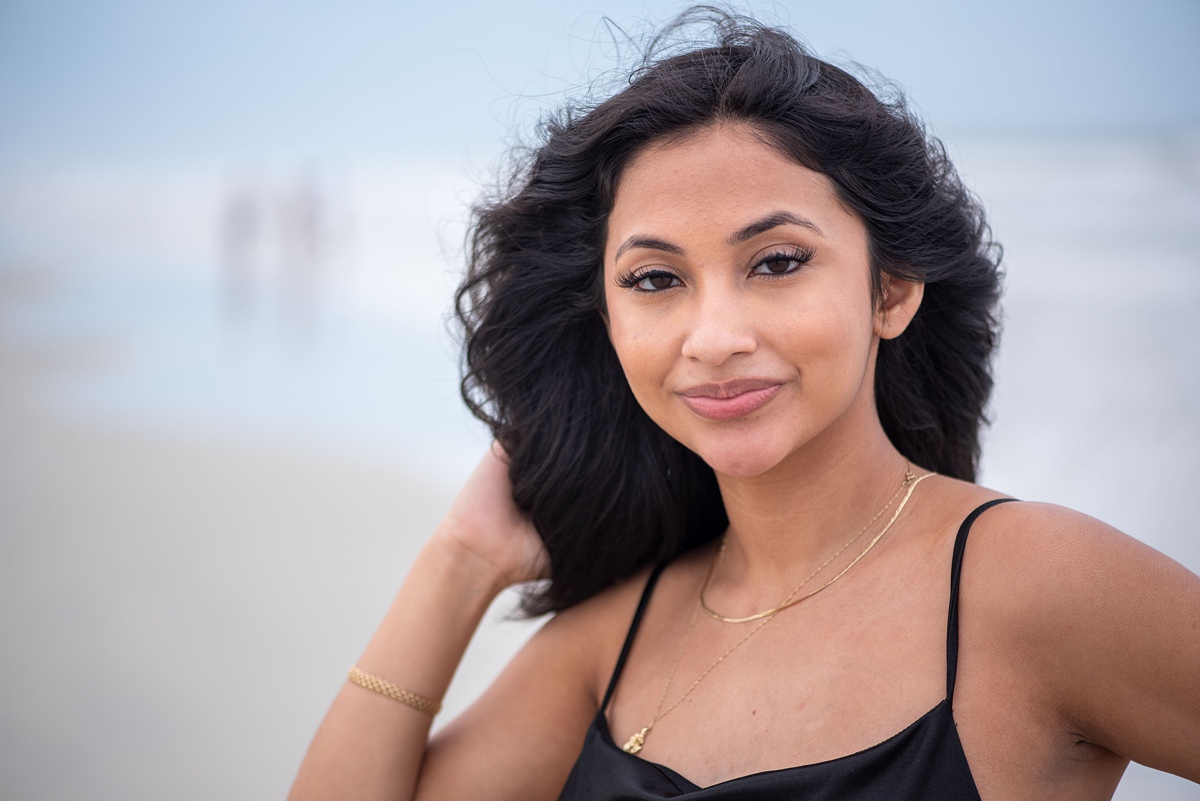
(721,327)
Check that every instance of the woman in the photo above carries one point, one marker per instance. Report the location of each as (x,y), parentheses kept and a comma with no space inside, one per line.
(732,330)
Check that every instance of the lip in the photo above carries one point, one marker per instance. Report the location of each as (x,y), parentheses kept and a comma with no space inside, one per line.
(728,400)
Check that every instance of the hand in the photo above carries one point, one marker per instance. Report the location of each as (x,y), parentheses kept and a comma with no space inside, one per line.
(485,523)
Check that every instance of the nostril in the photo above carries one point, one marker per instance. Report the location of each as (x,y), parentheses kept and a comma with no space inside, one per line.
(716,341)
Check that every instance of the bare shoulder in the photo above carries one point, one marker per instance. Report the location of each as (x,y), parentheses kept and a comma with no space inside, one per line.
(569,658)
(1052,562)
(1105,626)
(547,695)
(594,631)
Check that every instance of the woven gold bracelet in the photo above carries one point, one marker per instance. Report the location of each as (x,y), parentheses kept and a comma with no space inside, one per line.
(385,687)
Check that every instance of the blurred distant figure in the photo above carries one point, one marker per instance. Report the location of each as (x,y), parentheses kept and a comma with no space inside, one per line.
(276,240)
(302,245)
(240,233)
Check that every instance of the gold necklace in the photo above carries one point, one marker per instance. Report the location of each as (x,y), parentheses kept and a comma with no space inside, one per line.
(638,739)
(909,482)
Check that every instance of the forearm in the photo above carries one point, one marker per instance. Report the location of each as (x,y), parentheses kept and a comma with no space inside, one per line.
(370,746)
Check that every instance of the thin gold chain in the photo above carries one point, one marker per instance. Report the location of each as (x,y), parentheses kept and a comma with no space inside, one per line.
(905,484)
(788,602)
(638,739)
(662,699)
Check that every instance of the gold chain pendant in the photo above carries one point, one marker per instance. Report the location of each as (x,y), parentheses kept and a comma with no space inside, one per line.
(635,742)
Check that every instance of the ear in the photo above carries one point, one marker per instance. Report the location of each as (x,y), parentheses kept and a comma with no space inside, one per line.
(901,299)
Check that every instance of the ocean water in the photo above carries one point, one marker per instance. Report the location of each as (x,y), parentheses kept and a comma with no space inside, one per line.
(308,309)
(347,347)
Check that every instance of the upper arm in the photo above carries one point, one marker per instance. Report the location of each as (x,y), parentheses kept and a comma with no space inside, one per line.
(1113,629)
(520,739)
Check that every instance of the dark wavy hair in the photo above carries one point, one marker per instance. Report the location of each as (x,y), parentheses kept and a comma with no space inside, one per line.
(607,489)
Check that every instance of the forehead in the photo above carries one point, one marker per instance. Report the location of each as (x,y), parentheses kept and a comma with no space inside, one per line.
(718,178)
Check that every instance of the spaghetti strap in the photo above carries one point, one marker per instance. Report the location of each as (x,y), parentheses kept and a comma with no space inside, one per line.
(960,546)
(925,760)
(633,627)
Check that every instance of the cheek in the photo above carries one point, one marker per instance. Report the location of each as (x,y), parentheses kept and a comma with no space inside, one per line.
(640,355)
(647,356)
(809,332)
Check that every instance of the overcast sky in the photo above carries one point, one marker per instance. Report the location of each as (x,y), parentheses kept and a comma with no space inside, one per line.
(131,80)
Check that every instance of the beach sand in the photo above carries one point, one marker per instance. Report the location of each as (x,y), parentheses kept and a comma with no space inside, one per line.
(178,613)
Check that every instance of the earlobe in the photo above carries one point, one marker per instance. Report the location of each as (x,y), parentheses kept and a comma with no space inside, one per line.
(901,299)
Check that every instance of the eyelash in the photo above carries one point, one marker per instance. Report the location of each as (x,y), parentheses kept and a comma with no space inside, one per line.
(631,280)
(799,255)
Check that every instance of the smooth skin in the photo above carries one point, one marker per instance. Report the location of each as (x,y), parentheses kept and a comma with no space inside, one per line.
(1079,650)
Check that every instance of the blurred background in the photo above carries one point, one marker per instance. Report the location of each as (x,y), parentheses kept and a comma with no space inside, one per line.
(229,235)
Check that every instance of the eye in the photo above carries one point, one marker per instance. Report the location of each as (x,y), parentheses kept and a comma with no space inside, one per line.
(783,263)
(649,281)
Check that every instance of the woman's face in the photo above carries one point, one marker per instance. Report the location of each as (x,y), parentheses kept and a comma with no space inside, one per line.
(738,300)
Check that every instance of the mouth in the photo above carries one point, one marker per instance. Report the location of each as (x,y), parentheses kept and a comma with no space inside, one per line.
(728,400)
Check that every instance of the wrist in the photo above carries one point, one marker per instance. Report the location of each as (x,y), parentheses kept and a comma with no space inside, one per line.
(439,606)
(447,557)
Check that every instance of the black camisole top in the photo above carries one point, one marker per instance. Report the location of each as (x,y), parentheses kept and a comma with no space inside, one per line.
(925,761)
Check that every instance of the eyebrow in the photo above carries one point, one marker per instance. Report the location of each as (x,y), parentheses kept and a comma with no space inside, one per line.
(648,243)
(773,220)
(738,237)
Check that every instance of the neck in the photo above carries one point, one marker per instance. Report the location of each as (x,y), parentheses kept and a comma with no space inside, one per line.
(787,522)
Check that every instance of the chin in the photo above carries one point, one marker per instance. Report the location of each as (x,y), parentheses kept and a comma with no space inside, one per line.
(742,459)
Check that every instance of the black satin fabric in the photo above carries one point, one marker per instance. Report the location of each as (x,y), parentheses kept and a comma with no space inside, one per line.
(925,761)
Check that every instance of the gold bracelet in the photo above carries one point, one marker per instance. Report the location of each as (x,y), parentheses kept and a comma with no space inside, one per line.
(385,687)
